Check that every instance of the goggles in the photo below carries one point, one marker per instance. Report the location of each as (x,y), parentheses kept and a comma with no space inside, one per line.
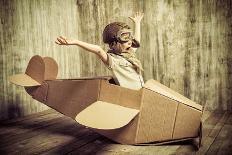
(124,35)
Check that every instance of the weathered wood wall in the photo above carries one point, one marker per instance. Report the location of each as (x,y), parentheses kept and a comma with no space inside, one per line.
(186,44)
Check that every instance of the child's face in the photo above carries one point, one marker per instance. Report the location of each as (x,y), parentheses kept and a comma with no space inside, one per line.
(126,46)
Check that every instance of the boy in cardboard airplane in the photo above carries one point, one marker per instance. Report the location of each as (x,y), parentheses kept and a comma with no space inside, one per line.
(132,113)
(121,58)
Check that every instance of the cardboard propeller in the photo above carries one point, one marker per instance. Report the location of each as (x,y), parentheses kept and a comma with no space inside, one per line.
(153,114)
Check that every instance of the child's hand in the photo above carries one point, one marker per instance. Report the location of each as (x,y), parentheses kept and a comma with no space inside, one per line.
(63,41)
(137,17)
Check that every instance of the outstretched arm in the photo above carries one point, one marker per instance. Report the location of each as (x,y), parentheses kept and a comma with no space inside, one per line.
(89,47)
(137,20)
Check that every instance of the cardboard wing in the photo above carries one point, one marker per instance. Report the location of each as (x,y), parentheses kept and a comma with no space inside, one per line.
(106,116)
(154,113)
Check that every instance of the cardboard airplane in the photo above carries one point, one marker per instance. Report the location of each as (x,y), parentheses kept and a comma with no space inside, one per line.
(155,113)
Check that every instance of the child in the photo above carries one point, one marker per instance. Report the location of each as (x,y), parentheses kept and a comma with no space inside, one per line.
(120,58)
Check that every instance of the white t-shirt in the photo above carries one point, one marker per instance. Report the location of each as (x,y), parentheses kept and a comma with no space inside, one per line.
(123,72)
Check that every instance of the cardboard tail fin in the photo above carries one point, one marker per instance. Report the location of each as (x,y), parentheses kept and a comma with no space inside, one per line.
(38,70)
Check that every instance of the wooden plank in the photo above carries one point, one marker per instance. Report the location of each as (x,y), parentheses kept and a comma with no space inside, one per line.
(38,118)
(219,125)
(208,126)
(28,117)
(103,145)
(180,44)
(93,147)
(206,115)
(70,146)
(229,121)
(45,138)
(145,150)
(226,139)
(109,147)
(57,140)
(222,143)
(62,135)
(10,128)
(25,133)
(208,141)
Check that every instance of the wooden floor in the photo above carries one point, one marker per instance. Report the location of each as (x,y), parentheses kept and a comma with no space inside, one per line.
(49,132)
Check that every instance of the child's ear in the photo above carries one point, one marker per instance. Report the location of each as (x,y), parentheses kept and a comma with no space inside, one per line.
(116,47)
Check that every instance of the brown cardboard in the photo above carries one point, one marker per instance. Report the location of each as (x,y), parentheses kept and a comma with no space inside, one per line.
(114,116)
(187,122)
(157,119)
(51,68)
(162,89)
(23,80)
(34,74)
(38,70)
(73,95)
(155,113)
